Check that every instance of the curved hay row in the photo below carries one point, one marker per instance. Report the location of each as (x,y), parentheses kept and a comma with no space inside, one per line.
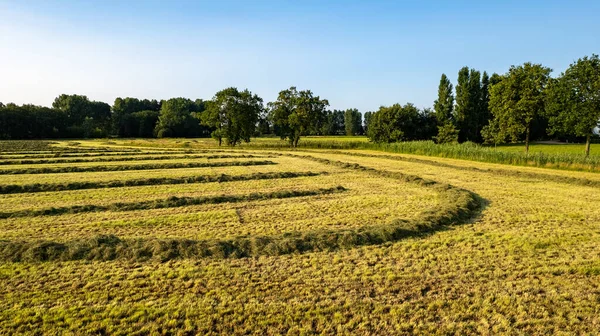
(47,187)
(496,171)
(456,205)
(135,158)
(147,166)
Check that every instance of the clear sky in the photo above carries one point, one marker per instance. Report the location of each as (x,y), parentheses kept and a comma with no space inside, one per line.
(357,54)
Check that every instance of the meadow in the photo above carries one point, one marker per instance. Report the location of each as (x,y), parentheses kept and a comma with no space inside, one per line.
(153,236)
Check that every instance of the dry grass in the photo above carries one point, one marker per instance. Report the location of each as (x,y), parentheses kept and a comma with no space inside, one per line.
(528,264)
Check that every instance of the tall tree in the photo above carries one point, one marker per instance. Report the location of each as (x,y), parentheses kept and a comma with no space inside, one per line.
(334,124)
(573,100)
(367,121)
(484,110)
(444,108)
(234,115)
(463,106)
(444,104)
(296,112)
(467,113)
(352,122)
(518,99)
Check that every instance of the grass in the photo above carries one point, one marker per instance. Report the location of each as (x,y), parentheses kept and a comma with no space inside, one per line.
(147,166)
(526,262)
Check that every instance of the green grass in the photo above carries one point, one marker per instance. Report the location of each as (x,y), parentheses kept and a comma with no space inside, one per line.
(547,156)
(559,148)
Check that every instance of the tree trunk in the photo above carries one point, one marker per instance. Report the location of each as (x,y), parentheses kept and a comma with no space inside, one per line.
(527,139)
(587,146)
(220,141)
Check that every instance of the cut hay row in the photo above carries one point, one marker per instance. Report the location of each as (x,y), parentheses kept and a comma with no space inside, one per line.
(127,158)
(150,166)
(45,187)
(456,205)
(495,171)
(171,202)
(84,154)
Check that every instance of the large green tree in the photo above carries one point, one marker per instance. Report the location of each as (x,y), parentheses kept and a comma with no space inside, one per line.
(366,121)
(177,118)
(295,113)
(352,122)
(233,114)
(444,107)
(84,117)
(518,99)
(468,114)
(573,99)
(395,123)
(444,104)
(126,119)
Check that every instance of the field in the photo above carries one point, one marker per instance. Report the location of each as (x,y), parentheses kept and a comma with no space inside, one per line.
(141,237)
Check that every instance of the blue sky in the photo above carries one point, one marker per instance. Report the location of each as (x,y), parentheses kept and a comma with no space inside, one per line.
(357,54)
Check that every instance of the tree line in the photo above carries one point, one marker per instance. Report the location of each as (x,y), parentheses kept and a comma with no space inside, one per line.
(523,104)
(232,116)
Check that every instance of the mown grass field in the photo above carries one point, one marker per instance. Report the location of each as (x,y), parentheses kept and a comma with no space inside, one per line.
(311,241)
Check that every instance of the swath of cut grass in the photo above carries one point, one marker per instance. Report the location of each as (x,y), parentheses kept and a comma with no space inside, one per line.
(171,202)
(150,166)
(505,172)
(38,187)
(118,159)
(455,205)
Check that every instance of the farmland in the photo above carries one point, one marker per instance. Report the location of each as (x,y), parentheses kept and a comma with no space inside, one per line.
(179,237)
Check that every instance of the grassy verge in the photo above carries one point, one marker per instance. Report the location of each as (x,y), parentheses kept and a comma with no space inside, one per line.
(55,170)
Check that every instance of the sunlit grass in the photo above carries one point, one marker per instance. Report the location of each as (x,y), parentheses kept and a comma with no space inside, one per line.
(529,263)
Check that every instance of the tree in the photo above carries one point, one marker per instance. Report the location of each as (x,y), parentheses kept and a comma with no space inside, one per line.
(76,107)
(573,100)
(177,118)
(31,122)
(295,112)
(334,124)
(447,133)
(84,115)
(352,122)
(123,123)
(396,123)
(444,104)
(233,114)
(518,99)
(484,109)
(468,115)
(444,107)
(367,121)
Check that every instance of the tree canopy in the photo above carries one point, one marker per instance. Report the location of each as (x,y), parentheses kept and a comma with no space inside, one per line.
(573,99)
(233,114)
(295,113)
(518,99)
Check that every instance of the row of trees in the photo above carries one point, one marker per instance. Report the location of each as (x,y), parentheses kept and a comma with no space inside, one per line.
(521,105)
(231,115)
